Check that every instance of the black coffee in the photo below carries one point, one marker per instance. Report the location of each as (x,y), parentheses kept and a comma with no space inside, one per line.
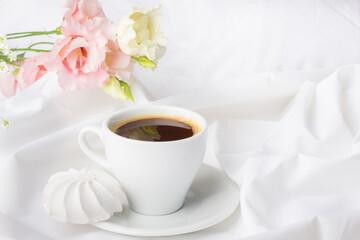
(155,130)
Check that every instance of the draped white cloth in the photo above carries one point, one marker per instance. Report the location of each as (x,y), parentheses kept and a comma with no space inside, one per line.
(278,81)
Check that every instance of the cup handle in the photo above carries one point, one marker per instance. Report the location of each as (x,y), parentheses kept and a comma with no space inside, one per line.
(86,148)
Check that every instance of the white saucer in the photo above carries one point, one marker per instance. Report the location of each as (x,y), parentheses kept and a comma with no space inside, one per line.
(211,199)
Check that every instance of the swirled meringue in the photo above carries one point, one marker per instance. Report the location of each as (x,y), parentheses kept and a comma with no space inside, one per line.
(81,197)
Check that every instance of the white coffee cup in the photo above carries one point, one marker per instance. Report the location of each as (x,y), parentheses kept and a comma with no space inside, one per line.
(156,176)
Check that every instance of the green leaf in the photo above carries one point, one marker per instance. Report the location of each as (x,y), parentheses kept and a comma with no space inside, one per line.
(145,62)
(21,56)
(118,89)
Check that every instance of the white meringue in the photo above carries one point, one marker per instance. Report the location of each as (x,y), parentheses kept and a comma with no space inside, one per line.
(81,197)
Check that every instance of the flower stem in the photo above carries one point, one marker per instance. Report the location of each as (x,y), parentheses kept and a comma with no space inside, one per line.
(14,64)
(23,33)
(29,49)
(40,43)
(57,31)
(22,36)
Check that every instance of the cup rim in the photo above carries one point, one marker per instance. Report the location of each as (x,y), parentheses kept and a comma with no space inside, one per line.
(203,125)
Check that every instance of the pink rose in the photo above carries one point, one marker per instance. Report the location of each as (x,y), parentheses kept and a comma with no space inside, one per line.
(104,32)
(79,62)
(31,70)
(87,55)
(82,10)
(8,84)
(79,57)
(99,29)
(118,62)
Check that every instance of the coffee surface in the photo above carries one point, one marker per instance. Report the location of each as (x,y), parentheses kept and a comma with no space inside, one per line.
(155,130)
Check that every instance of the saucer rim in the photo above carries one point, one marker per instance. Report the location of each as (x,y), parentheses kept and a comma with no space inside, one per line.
(143,232)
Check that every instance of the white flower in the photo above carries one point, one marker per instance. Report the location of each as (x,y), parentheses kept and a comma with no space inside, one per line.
(139,34)
(4,67)
(2,37)
(12,56)
(3,45)
(5,50)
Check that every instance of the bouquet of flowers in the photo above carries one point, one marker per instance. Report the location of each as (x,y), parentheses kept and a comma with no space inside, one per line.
(90,52)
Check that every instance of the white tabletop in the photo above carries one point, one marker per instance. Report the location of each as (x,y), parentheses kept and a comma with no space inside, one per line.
(278,82)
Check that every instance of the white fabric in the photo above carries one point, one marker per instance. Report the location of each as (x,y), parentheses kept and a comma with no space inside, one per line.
(270,77)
